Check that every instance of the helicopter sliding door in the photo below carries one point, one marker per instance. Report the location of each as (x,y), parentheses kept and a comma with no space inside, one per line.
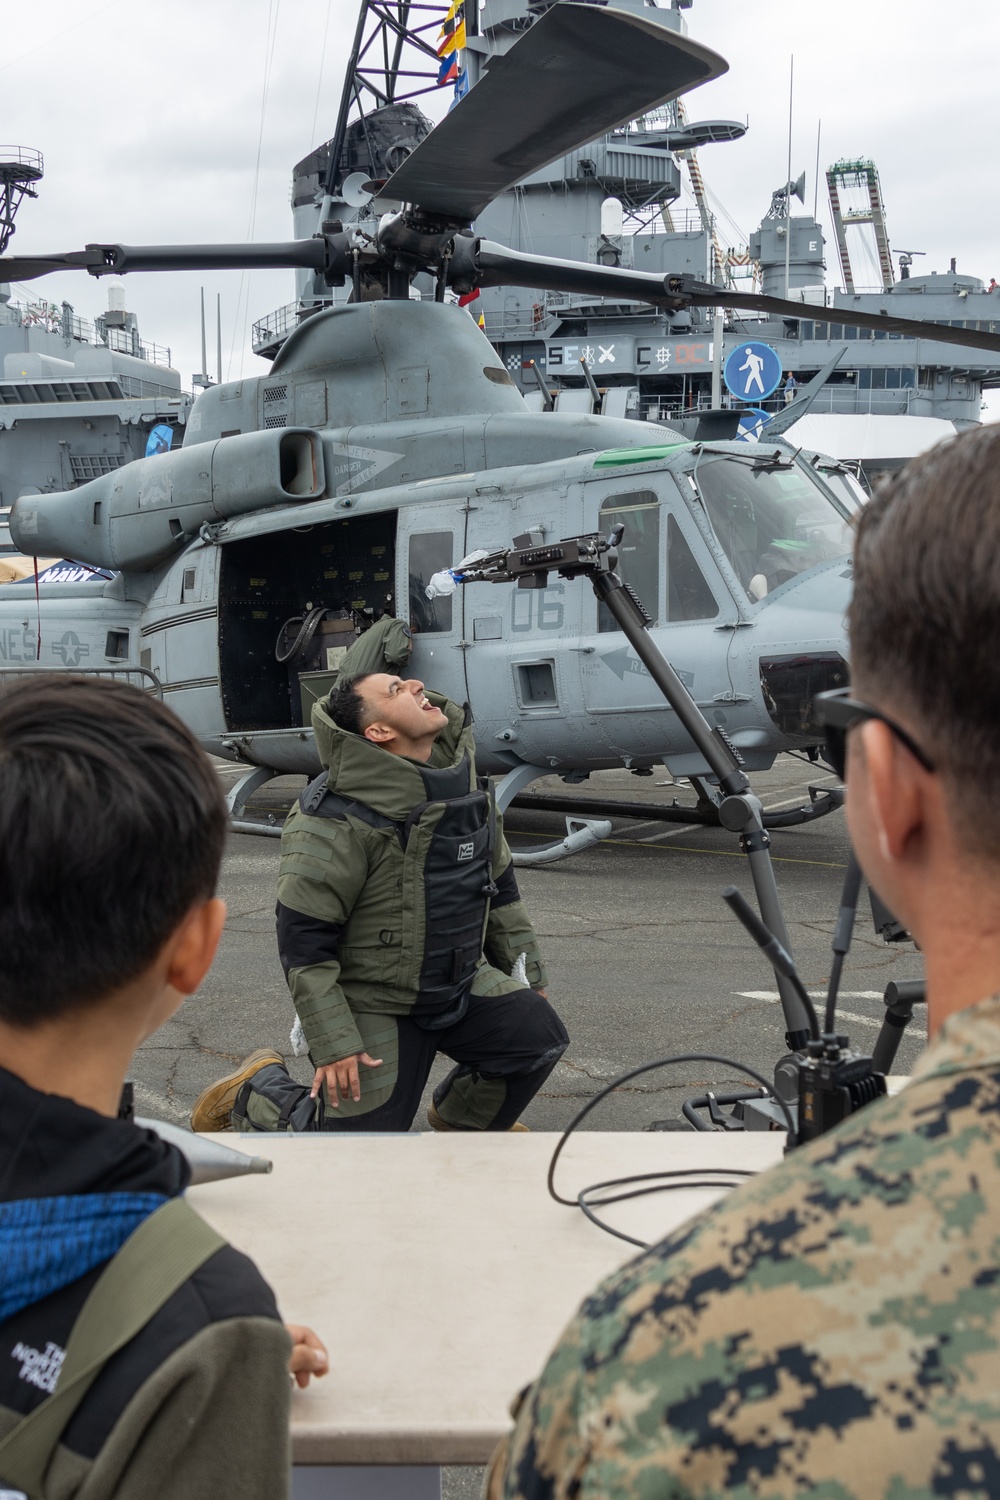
(273,579)
(666,561)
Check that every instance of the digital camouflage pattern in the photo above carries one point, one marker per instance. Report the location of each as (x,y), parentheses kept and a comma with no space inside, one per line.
(831,1329)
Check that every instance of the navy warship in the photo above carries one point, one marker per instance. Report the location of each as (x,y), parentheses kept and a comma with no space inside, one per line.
(78,398)
(616,202)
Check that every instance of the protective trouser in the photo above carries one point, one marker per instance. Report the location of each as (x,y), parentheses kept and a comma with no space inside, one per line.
(504,1047)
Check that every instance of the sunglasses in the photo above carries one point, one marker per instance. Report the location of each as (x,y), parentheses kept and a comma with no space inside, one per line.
(838,712)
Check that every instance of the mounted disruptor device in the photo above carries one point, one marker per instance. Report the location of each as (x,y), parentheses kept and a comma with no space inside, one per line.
(529,562)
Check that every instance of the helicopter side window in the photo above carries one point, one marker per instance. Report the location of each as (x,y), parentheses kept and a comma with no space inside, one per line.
(639,553)
(688,595)
(430,551)
(772,522)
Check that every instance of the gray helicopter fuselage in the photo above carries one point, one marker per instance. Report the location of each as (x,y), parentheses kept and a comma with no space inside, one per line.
(738,553)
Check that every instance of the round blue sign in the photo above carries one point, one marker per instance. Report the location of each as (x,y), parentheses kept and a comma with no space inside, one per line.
(159,440)
(752,424)
(752,371)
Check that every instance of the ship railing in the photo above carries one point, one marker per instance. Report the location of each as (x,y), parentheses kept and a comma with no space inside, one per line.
(846,400)
(662,408)
(24,156)
(122,341)
(277,325)
(141,677)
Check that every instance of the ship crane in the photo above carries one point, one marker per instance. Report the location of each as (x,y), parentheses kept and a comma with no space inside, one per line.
(859,174)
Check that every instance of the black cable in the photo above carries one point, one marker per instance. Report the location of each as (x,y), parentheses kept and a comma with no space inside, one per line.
(686,1172)
(584,1203)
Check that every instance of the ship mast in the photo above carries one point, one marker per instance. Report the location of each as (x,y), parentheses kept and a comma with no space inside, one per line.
(20,169)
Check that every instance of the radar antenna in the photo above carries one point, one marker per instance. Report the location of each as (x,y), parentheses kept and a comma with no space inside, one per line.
(20,167)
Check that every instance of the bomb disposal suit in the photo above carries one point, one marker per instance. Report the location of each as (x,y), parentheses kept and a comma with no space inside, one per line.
(399,923)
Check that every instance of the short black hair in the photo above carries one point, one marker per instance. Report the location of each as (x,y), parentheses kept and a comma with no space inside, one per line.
(925,616)
(347,708)
(112,826)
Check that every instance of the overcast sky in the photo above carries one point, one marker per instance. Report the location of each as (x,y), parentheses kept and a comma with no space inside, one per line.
(150,121)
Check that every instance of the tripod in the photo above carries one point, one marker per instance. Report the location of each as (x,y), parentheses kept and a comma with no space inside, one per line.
(595,557)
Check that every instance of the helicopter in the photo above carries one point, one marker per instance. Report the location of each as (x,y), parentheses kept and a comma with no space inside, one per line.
(387,443)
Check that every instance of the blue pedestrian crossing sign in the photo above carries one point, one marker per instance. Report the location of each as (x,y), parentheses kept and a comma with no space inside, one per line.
(752,424)
(752,372)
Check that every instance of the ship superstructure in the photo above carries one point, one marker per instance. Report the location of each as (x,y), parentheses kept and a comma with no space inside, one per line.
(77,398)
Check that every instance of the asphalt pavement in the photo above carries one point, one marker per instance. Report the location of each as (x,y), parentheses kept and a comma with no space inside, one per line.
(645,960)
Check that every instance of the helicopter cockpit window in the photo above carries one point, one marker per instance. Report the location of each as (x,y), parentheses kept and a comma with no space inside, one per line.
(845,487)
(688,595)
(772,522)
(430,552)
(639,553)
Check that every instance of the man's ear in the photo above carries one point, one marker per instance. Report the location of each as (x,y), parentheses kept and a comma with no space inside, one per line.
(192,948)
(896,790)
(377,733)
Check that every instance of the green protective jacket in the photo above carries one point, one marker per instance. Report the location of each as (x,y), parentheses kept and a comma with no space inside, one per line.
(385,647)
(364,924)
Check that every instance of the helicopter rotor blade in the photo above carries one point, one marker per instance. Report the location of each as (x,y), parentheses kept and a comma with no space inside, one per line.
(109,260)
(496,265)
(578,72)
(915,328)
(30,267)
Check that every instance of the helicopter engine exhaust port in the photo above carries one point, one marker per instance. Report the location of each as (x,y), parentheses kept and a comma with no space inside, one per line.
(142,515)
(300,464)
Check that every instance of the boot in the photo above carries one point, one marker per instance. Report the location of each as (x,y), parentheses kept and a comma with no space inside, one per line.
(214,1105)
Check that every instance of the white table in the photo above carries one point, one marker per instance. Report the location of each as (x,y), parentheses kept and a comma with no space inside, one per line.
(439,1273)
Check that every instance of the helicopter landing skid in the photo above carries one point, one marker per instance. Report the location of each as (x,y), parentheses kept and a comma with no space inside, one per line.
(251,781)
(515,781)
(581,833)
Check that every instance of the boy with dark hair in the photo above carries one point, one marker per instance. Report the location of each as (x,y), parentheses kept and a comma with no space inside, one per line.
(112,826)
(400,927)
(833,1328)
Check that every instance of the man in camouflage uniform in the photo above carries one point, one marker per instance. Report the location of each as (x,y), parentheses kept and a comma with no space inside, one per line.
(400,926)
(833,1328)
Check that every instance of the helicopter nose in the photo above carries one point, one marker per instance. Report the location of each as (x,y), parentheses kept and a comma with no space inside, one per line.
(800,643)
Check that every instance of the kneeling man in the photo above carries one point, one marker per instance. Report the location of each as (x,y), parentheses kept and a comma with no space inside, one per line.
(400,928)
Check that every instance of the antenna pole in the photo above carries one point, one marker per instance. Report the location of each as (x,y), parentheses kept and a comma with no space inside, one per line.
(819,131)
(218,332)
(204,356)
(717,359)
(788,193)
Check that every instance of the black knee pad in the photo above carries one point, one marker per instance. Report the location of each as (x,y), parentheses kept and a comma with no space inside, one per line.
(539,1030)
